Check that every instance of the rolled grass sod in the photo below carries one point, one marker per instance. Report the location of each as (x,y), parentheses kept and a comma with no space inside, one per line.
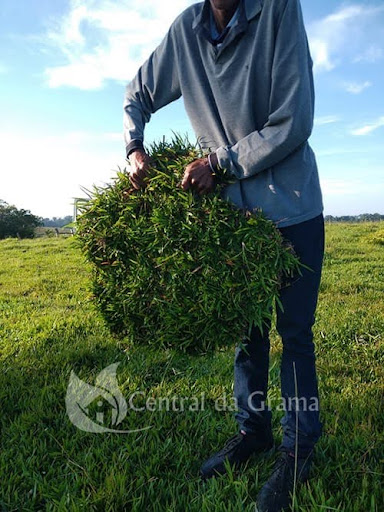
(172,268)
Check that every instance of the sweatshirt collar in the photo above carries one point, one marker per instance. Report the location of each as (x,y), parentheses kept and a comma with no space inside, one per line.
(214,32)
(251,7)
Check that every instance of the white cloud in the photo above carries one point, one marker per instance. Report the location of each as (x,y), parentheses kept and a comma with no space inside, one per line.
(56,167)
(103,40)
(342,35)
(343,151)
(81,138)
(372,54)
(369,128)
(320,121)
(356,88)
(321,55)
(3,69)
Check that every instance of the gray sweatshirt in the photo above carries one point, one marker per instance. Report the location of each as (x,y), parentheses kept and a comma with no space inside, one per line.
(251,101)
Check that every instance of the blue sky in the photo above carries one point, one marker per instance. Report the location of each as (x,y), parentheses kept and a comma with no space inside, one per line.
(64,65)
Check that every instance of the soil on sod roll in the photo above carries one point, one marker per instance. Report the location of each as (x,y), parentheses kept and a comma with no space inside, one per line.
(176,269)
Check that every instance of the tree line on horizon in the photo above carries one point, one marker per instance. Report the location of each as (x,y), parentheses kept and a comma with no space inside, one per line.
(362,217)
(57,222)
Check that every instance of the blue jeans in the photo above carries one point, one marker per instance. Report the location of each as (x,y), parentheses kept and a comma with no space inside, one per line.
(299,391)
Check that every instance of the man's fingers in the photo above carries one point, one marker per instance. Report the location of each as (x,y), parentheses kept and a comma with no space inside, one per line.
(198,176)
(206,184)
(135,185)
(136,182)
(191,178)
(202,184)
(138,178)
(206,190)
(186,181)
(139,173)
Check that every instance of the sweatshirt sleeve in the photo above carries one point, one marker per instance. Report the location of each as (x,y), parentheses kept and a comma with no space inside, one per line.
(291,106)
(155,85)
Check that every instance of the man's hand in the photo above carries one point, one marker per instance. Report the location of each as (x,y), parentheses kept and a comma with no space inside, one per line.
(198,174)
(140,162)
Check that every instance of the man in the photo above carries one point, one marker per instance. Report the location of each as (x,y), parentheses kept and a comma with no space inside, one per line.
(244,70)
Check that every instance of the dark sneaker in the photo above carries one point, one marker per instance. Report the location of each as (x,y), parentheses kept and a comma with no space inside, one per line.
(276,494)
(236,451)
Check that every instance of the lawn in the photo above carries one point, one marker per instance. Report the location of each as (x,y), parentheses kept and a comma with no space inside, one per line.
(49,328)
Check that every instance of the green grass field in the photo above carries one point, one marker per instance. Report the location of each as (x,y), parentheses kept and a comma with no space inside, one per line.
(48,327)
